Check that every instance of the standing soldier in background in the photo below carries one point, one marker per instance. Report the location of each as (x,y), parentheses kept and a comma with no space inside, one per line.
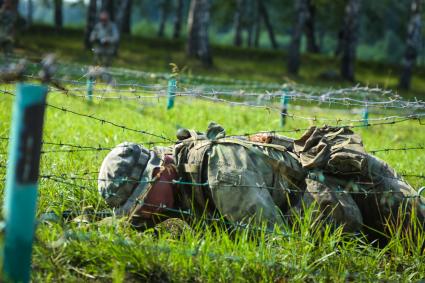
(104,37)
(7,24)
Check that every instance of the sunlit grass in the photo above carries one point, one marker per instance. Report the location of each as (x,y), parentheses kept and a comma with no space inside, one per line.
(101,252)
(96,251)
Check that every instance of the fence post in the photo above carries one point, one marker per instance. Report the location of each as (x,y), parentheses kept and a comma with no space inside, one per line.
(365,116)
(284,101)
(90,88)
(22,181)
(171,93)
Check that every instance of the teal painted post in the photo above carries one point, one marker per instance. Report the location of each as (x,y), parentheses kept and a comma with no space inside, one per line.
(365,116)
(90,88)
(284,101)
(171,93)
(22,181)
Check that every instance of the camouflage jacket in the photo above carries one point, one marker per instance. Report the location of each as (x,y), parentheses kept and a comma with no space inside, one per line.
(105,34)
(267,177)
(240,179)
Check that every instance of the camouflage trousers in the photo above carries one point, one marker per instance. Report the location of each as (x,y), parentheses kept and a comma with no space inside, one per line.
(352,188)
(104,55)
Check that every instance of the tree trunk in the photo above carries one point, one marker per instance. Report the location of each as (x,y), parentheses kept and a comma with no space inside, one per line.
(178,19)
(58,14)
(257,28)
(198,21)
(90,23)
(123,15)
(15,4)
(265,15)
(126,21)
(30,11)
(237,19)
(108,6)
(301,9)
(250,18)
(349,39)
(412,44)
(162,17)
(310,29)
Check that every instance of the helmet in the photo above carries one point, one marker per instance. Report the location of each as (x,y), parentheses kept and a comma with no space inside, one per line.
(125,175)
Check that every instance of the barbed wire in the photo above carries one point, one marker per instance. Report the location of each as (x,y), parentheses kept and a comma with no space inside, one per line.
(343,102)
(104,121)
(295,95)
(297,130)
(81,176)
(77,147)
(406,148)
(221,219)
(100,120)
(86,148)
(216,90)
(395,120)
(181,212)
(323,98)
(81,71)
(259,103)
(76,175)
(63,178)
(416,116)
(290,90)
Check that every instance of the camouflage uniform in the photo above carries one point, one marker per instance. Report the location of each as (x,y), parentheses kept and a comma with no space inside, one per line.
(264,177)
(7,23)
(105,37)
(357,189)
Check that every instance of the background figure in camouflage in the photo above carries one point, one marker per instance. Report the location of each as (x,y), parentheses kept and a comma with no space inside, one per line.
(104,37)
(262,179)
(7,25)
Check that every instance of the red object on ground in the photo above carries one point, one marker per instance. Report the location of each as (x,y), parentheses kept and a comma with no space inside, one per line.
(162,192)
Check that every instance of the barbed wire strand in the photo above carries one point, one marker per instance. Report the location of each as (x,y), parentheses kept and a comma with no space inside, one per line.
(102,121)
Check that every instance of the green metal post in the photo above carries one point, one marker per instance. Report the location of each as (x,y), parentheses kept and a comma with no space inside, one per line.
(171,94)
(90,88)
(365,116)
(284,101)
(22,181)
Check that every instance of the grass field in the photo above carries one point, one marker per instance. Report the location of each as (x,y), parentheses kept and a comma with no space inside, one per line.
(99,251)
(96,251)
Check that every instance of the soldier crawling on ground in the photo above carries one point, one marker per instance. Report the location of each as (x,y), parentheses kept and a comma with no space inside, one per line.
(259,179)
(105,38)
(7,25)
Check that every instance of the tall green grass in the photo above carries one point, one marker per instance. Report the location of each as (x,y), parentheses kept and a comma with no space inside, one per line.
(111,250)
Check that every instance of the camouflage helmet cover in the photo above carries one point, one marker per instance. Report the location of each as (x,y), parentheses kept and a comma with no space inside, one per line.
(124,175)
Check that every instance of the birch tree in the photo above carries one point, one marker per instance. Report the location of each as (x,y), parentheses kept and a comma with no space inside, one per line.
(349,38)
(198,45)
(90,22)
(413,43)
(301,8)
(178,19)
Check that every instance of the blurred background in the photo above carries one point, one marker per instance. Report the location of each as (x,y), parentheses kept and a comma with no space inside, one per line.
(321,42)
